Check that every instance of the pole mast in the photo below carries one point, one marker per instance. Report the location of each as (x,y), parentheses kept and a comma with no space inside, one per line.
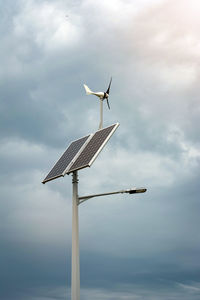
(101,114)
(75,275)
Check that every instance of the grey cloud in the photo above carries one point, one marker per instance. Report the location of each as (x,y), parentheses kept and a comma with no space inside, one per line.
(141,248)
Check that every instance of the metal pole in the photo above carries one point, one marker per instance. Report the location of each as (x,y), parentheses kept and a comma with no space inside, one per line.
(75,276)
(101,114)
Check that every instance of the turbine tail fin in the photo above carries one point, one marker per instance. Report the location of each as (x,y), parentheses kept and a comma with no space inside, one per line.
(88,91)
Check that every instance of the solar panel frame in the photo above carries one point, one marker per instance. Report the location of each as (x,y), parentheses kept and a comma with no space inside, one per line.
(85,139)
(86,149)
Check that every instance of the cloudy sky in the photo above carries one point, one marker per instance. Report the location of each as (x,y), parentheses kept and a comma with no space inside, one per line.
(143,247)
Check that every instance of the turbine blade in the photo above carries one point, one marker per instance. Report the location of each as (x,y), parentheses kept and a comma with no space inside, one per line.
(108,103)
(108,90)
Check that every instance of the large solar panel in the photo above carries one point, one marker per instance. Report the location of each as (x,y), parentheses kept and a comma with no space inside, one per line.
(93,148)
(81,153)
(66,159)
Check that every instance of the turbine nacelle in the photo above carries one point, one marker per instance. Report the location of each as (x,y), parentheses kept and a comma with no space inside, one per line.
(105,96)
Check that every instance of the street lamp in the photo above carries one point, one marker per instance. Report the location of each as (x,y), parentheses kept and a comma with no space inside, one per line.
(76,201)
(80,154)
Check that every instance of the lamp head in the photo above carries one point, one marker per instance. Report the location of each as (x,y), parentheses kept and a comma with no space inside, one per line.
(136,190)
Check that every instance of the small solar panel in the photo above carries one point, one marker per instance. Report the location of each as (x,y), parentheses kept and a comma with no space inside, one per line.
(64,162)
(93,148)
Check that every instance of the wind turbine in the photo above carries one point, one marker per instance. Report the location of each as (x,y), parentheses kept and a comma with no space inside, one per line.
(101,96)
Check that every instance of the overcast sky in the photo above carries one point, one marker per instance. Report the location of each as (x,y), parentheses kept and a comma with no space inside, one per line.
(143,247)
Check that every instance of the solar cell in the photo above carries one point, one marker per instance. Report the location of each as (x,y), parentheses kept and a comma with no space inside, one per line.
(93,148)
(64,162)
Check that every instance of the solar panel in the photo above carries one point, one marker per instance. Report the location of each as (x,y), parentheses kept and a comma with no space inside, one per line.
(93,148)
(67,158)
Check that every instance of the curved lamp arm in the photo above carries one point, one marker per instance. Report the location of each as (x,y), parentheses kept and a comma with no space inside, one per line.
(129,191)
